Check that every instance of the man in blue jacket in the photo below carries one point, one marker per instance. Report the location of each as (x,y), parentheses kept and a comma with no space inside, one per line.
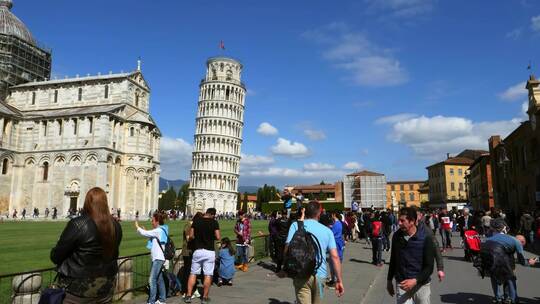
(411,260)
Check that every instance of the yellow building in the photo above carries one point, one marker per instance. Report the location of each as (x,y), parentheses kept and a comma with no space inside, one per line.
(403,194)
(447,184)
(424,192)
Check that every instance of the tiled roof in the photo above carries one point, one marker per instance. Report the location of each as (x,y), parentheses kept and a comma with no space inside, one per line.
(75,79)
(73,111)
(406,182)
(365,173)
(455,161)
(472,154)
(8,110)
(315,187)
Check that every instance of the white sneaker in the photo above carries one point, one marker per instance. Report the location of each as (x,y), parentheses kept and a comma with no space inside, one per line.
(159,302)
(196,294)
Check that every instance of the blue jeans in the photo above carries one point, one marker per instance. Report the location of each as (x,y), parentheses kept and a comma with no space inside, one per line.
(242,253)
(508,288)
(156,282)
(376,248)
(333,275)
(446,238)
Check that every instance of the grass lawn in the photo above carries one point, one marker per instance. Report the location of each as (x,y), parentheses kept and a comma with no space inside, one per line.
(26,246)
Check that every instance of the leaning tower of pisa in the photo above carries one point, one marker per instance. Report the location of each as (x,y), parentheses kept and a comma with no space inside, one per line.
(218,138)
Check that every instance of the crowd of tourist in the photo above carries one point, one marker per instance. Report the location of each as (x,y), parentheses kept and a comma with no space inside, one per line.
(307,244)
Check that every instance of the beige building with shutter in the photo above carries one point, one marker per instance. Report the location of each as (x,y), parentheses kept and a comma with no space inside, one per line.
(403,194)
(447,182)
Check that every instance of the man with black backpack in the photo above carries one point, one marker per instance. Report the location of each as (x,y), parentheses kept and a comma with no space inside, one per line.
(306,247)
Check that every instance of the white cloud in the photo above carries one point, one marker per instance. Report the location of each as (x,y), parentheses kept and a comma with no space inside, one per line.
(514,34)
(376,71)
(367,64)
(318,166)
(432,137)
(401,8)
(287,148)
(296,173)
(514,92)
(175,157)
(256,160)
(251,92)
(267,129)
(315,134)
(535,23)
(524,109)
(352,166)
(392,119)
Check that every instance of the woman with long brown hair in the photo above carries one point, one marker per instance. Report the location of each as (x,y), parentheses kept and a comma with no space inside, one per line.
(86,252)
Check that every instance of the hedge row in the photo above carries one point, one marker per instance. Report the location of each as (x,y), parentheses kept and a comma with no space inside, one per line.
(269,208)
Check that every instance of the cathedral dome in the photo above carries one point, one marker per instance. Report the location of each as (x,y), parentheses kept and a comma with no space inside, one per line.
(11,25)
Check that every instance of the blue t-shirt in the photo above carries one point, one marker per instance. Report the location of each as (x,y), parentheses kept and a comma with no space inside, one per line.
(337,230)
(507,241)
(325,237)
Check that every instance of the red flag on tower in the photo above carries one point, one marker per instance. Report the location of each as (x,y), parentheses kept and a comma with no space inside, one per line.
(221,45)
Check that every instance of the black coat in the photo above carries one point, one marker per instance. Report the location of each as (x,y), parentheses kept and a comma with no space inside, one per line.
(461,224)
(496,261)
(79,254)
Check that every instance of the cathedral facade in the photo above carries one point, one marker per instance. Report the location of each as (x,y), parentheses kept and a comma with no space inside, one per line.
(61,137)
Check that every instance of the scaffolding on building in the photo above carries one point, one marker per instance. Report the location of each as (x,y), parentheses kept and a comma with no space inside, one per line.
(22,62)
(367,188)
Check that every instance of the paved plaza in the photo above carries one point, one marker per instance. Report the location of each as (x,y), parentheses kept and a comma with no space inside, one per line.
(365,283)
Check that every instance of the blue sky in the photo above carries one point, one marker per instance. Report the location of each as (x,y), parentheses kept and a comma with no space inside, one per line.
(387,85)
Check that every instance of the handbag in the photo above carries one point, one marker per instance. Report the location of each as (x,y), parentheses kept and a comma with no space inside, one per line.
(53,294)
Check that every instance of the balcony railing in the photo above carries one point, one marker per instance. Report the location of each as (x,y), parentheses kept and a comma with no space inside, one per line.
(221,78)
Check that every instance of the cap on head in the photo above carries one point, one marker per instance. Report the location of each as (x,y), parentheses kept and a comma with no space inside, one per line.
(497,224)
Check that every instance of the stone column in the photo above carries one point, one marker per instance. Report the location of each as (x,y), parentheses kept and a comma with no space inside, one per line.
(26,288)
(2,122)
(124,279)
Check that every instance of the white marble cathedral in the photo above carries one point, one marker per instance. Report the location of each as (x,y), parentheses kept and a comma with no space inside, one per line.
(61,137)
(218,138)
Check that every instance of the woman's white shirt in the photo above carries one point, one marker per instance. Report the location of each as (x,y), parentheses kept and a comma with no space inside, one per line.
(154,234)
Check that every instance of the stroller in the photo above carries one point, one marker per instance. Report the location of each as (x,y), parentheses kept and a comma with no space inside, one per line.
(471,244)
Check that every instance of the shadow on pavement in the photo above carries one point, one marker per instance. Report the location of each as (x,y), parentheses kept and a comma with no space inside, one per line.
(455,258)
(276,301)
(465,297)
(267,266)
(367,262)
(360,261)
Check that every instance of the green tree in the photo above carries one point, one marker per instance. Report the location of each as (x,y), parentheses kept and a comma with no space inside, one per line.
(238,201)
(183,196)
(166,202)
(245,202)
(322,196)
(322,183)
